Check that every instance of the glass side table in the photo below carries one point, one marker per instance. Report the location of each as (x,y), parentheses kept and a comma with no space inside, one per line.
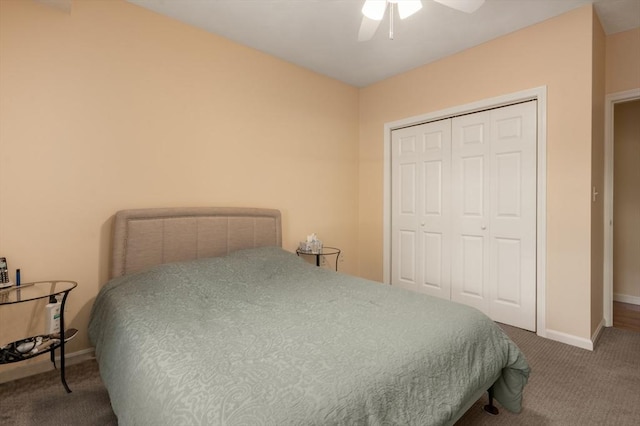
(31,347)
(326,251)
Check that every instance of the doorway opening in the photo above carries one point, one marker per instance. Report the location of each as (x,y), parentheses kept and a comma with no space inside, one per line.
(628,305)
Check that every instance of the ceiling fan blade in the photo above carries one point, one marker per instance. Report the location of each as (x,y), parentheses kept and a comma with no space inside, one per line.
(368,28)
(468,6)
(407,8)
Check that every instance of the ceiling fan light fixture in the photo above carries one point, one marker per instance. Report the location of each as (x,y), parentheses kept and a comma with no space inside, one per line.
(374,9)
(407,8)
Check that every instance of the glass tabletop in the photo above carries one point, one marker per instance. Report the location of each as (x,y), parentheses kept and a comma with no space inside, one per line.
(324,251)
(34,291)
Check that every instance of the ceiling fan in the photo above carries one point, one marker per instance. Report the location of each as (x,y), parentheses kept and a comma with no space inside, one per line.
(373,12)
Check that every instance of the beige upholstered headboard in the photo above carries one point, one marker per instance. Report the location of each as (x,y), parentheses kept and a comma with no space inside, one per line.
(146,237)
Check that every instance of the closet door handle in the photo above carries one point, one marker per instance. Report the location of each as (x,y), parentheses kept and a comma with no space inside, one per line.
(483,227)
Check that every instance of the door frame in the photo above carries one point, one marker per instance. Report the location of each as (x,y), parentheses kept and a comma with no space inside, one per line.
(537,93)
(610,102)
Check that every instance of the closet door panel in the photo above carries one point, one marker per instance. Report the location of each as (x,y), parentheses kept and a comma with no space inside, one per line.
(407,189)
(472,186)
(472,267)
(433,188)
(406,182)
(508,252)
(406,258)
(513,221)
(433,261)
(469,213)
(421,205)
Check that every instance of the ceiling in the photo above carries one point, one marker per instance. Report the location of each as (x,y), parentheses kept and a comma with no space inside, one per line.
(322,35)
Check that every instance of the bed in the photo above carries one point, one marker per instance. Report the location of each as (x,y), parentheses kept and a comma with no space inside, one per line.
(207,321)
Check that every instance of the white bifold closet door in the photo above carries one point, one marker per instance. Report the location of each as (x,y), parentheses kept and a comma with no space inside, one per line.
(464,211)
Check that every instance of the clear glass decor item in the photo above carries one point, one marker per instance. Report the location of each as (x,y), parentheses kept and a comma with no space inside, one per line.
(304,246)
(312,245)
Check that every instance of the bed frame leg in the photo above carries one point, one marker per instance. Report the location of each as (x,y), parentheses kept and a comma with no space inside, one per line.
(490,408)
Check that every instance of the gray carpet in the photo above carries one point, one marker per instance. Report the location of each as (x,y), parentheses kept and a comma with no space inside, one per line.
(41,399)
(568,386)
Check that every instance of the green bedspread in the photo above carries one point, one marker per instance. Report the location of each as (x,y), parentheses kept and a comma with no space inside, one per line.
(262,337)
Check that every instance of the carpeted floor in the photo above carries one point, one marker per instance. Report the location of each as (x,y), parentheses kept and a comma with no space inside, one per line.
(568,386)
(41,399)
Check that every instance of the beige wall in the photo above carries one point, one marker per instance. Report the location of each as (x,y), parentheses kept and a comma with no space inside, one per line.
(114,107)
(556,53)
(626,210)
(623,61)
(597,174)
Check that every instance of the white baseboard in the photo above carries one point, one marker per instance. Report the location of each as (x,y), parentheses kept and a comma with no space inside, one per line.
(624,298)
(570,339)
(32,368)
